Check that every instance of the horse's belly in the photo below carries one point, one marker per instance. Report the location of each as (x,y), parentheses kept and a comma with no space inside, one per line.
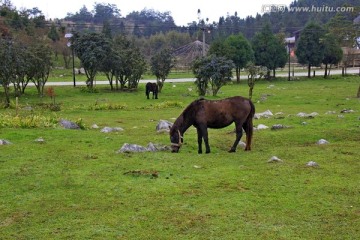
(219,124)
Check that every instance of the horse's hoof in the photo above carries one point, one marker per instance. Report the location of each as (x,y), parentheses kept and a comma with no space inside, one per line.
(232,150)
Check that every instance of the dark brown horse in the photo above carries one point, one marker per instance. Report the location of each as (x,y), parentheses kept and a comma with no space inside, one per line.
(151,87)
(203,114)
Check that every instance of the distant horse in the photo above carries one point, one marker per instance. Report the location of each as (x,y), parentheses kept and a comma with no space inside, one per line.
(204,114)
(152,87)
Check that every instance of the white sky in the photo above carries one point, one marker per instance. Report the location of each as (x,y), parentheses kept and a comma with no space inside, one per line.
(183,11)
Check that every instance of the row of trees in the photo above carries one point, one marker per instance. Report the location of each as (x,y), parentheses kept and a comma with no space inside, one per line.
(266,52)
(316,46)
(119,59)
(236,52)
(23,63)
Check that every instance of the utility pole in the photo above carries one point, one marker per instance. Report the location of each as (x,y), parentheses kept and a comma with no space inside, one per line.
(203,28)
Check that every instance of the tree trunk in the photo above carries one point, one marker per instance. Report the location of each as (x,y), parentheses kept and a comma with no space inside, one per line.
(238,75)
(326,71)
(7,96)
(309,70)
(274,73)
(358,93)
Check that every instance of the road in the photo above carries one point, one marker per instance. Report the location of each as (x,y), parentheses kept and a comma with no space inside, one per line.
(297,74)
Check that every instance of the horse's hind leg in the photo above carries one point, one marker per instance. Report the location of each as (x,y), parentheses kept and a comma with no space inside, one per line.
(248,127)
(199,135)
(239,133)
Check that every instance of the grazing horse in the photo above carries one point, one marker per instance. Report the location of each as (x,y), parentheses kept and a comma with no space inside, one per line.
(204,114)
(152,87)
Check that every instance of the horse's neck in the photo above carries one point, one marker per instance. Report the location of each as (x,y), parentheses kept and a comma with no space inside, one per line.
(182,124)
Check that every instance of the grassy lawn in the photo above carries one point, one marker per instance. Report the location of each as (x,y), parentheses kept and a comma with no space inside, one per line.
(76,186)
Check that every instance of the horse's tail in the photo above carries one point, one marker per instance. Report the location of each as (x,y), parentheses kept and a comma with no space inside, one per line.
(248,126)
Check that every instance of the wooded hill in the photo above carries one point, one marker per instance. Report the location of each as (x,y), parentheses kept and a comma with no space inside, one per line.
(147,22)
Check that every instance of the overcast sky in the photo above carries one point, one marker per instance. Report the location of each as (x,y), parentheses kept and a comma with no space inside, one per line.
(183,11)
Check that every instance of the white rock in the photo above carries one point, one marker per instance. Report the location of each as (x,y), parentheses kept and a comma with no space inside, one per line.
(242,144)
(322,141)
(312,164)
(265,114)
(40,140)
(4,142)
(110,129)
(262,126)
(274,159)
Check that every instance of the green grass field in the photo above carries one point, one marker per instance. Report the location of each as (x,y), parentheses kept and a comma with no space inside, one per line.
(75,185)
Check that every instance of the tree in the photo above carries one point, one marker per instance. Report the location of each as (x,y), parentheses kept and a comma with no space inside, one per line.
(240,52)
(236,48)
(125,63)
(7,67)
(161,65)
(53,34)
(310,47)
(23,63)
(269,51)
(332,53)
(105,12)
(92,49)
(254,73)
(40,65)
(212,70)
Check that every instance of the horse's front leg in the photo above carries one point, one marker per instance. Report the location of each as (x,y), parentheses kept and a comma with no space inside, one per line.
(239,133)
(205,136)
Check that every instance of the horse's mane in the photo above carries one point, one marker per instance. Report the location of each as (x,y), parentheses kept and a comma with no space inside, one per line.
(188,111)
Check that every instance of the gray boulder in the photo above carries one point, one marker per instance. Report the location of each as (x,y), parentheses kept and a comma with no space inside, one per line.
(68,124)
(127,148)
(111,129)
(163,126)
(151,147)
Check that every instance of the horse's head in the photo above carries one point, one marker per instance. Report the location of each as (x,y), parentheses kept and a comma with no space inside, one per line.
(176,139)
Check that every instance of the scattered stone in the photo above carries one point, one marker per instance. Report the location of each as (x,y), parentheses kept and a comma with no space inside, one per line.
(163,126)
(271,86)
(4,142)
(127,148)
(94,126)
(279,115)
(68,124)
(151,147)
(40,140)
(347,111)
(242,144)
(110,129)
(274,159)
(197,167)
(312,164)
(304,123)
(305,115)
(261,126)
(278,126)
(322,141)
(265,114)
(330,112)
(340,116)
